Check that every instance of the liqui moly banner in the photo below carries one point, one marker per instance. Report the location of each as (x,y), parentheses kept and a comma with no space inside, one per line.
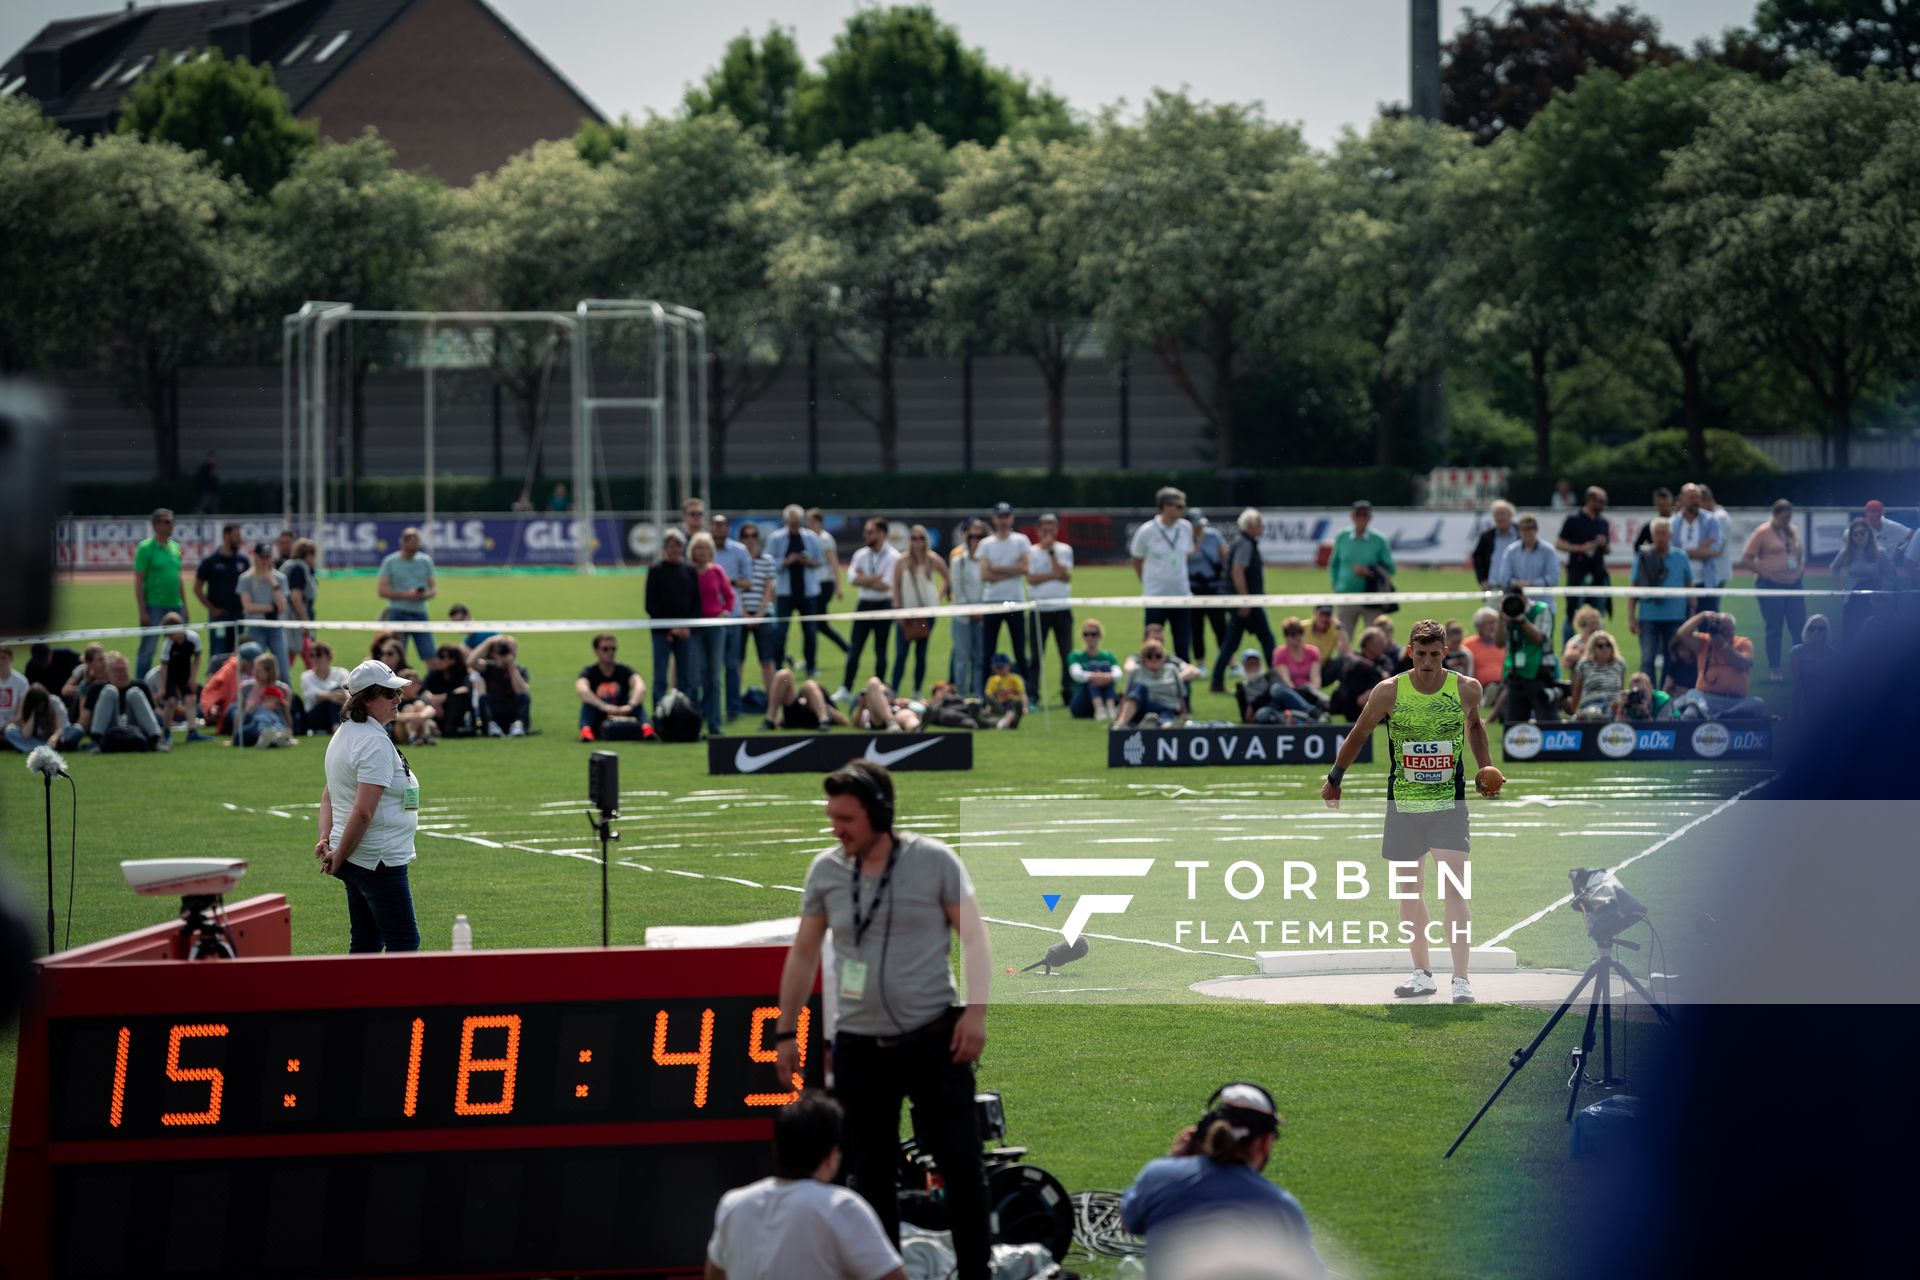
(352,543)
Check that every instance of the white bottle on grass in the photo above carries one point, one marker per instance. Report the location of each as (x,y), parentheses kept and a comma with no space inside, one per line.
(462,934)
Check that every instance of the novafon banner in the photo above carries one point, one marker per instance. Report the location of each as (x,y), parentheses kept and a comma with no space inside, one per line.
(1259,744)
(1639,740)
(825,752)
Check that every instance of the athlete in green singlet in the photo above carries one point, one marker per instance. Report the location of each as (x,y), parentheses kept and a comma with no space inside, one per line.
(1431,714)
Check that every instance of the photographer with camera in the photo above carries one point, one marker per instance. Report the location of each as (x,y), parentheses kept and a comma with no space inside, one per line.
(1533,691)
(1207,1194)
(894,902)
(1726,661)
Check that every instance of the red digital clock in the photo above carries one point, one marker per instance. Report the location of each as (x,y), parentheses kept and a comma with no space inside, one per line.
(485,1113)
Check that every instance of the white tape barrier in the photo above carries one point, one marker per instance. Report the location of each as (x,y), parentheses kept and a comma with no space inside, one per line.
(1295,600)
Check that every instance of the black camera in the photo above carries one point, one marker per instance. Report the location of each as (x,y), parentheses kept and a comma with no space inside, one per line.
(1604,901)
(1513,605)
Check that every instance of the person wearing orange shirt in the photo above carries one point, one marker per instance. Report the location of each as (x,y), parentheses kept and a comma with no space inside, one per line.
(1725,662)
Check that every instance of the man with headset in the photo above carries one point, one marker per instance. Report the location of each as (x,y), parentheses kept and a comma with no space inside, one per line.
(894,902)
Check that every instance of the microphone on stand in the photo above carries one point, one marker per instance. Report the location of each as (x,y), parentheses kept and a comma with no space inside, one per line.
(49,764)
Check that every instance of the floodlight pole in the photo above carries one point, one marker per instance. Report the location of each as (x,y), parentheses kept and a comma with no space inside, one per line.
(1423,44)
(426,363)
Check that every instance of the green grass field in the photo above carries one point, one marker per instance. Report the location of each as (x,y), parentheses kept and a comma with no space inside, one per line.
(1096,1082)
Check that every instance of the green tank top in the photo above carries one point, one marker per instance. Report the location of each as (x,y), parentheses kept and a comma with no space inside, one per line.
(1426,736)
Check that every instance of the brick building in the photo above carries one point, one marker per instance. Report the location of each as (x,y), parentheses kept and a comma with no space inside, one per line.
(449,83)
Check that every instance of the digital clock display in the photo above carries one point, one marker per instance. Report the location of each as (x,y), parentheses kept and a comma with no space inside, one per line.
(499,1113)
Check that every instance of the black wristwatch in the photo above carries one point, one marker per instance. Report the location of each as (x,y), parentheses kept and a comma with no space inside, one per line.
(779,1036)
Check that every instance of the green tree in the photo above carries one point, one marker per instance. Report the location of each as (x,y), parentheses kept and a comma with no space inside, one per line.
(153,258)
(896,69)
(761,84)
(1848,35)
(1796,216)
(347,226)
(1376,266)
(1012,250)
(685,231)
(1503,67)
(859,257)
(230,112)
(1191,223)
(37,173)
(531,236)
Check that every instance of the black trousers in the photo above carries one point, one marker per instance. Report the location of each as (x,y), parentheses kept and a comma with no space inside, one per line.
(1254,624)
(1179,625)
(1535,699)
(1572,605)
(1016,625)
(871,1077)
(1202,619)
(862,628)
(1057,623)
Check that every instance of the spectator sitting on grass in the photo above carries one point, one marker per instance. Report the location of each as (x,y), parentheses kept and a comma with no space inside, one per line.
(389,647)
(795,704)
(323,690)
(876,708)
(221,692)
(1367,667)
(179,676)
(1598,679)
(461,616)
(1156,696)
(413,720)
(82,680)
(1488,648)
(119,701)
(1586,622)
(947,708)
(449,690)
(1457,659)
(1815,667)
(50,665)
(1296,664)
(506,705)
(1006,691)
(1264,695)
(1156,633)
(1325,633)
(1397,657)
(1094,671)
(265,712)
(41,719)
(1726,659)
(13,687)
(609,689)
(1640,700)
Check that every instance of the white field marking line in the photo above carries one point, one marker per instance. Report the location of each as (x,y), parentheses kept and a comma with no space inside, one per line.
(696,875)
(1655,847)
(1109,937)
(1075,991)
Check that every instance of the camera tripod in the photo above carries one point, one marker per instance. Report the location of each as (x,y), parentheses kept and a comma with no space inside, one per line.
(1599,1008)
(203,928)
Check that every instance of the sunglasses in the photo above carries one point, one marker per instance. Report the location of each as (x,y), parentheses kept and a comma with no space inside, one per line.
(607,648)
(1089,635)
(1153,657)
(916,539)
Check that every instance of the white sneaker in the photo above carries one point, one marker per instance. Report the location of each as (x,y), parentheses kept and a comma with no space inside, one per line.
(1151,720)
(1420,984)
(841,695)
(493,729)
(519,730)
(1462,990)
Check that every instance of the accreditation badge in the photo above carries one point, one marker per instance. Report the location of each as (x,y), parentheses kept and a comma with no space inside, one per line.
(853,979)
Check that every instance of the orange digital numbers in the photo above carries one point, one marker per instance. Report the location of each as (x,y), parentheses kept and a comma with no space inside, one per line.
(701,1059)
(414,1043)
(759,1052)
(119,1078)
(215,1081)
(508,1065)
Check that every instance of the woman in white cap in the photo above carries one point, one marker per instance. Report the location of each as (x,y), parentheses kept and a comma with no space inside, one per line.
(369,811)
(1208,1199)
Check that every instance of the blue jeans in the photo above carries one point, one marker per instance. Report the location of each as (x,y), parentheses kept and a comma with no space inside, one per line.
(222,638)
(709,655)
(680,651)
(736,654)
(491,711)
(21,742)
(1085,695)
(422,640)
(274,641)
(1716,706)
(1139,694)
(785,607)
(969,664)
(1655,637)
(150,616)
(256,723)
(379,909)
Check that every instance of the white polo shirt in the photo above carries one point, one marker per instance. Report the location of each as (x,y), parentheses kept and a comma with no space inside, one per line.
(1010,552)
(362,752)
(1163,555)
(1051,595)
(868,563)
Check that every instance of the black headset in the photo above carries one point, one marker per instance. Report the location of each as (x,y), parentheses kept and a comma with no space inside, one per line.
(866,787)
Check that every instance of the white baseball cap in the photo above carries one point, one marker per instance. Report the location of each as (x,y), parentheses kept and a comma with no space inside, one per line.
(370,673)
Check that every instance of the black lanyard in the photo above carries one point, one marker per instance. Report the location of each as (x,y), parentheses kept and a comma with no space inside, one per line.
(860,926)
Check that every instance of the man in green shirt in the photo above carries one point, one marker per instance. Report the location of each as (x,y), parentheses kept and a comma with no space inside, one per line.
(156,584)
(1362,562)
(1532,671)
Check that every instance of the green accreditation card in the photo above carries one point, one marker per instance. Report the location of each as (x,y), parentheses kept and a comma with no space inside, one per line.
(410,796)
(853,979)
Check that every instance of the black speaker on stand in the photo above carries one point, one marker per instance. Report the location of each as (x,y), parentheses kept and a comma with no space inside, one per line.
(603,793)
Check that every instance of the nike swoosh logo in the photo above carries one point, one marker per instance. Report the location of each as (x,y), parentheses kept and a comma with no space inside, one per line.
(886,759)
(753,764)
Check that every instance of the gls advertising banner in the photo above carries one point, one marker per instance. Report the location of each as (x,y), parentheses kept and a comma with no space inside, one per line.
(1261,744)
(1640,740)
(825,752)
(461,540)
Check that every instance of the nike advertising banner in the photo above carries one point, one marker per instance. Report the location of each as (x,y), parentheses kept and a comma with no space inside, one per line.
(1639,740)
(1259,744)
(825,752)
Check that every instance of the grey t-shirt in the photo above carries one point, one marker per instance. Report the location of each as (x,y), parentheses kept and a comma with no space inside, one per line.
(915,985)
(258,589)
(403,574)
